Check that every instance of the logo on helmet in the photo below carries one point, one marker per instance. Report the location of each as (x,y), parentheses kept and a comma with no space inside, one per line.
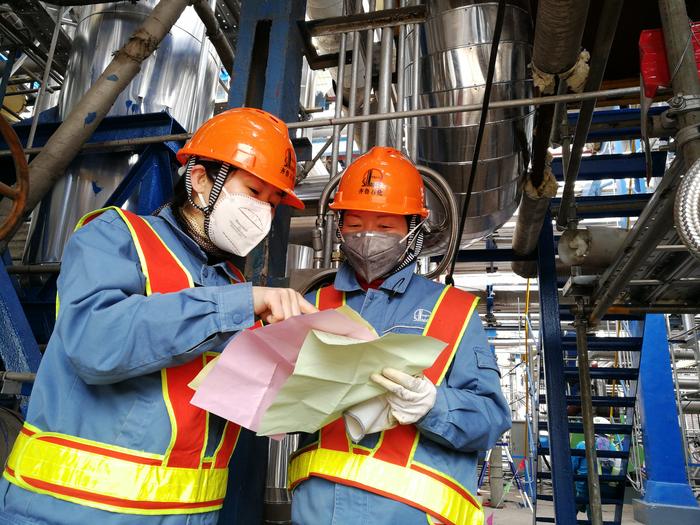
(287,167)
(372,183)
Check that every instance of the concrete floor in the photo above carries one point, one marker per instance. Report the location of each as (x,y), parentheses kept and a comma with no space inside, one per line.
(512,513)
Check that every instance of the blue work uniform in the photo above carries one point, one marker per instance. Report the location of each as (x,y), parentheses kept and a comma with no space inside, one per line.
(469,415)
(100,377)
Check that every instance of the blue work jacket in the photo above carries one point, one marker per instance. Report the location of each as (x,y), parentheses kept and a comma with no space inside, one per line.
(469,415)
(100,378)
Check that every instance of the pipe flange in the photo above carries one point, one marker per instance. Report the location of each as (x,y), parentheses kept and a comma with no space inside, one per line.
(680,104)
(686,135)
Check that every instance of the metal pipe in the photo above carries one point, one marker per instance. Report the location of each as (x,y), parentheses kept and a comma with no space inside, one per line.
(400,64)
(651,226)
(23,269)
(415,78)
(338,105)
(684,74)
(384,93)
(689,326)
(605,33)
(441,189)
(596,511)
(350,140)
(499,104)
(113,144)
(366,95)
(18,377)
(65,143)
(213,31)
(45,79)
(204,9)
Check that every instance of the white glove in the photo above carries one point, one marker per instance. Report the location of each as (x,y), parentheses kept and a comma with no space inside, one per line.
(410,397)
(368,417)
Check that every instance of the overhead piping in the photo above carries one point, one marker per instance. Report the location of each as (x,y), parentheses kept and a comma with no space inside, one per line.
(216,36)
(558,32)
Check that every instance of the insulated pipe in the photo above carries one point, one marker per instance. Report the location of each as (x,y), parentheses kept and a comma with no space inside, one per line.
(218,40)
(687,209)
(558,32)
(65,143)
(384,94)
(607,25)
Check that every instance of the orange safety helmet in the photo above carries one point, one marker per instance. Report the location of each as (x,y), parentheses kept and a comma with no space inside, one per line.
(382,180)
(250,139)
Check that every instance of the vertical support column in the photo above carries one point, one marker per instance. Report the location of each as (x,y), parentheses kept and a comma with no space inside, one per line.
(668,497)
(267,75)
(557,420)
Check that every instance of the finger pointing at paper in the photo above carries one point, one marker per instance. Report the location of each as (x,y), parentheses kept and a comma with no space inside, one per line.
(277,304)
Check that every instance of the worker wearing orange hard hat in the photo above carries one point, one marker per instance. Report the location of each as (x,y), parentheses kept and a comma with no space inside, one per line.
(145,302)
(410,455)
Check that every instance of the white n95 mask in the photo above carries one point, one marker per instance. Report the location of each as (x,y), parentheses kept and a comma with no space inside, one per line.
(239,222)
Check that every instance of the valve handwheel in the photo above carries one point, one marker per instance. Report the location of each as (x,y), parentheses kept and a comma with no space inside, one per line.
(18,192)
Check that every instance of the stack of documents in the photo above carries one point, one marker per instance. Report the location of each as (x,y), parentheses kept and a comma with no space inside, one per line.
(302,373)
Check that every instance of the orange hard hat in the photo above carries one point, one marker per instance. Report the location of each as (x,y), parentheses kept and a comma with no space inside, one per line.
(381,180)
(250,139)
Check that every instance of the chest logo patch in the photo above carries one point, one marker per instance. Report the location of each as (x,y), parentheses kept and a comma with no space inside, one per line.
(421,315)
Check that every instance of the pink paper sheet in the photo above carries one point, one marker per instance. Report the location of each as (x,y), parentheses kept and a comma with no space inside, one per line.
(256,363)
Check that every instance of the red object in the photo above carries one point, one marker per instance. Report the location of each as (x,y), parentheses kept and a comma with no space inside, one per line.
(653,63)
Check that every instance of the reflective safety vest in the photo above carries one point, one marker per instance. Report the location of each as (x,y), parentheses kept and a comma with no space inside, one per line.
(390,469)
(183,480)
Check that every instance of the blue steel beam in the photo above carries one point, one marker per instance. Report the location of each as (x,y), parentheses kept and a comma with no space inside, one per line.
(267,75)
(615,124)
(557,420)
(600,207)
(668,497)
(615,166)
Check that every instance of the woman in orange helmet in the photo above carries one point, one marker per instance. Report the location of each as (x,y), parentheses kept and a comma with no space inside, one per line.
(408,457)
(110,436)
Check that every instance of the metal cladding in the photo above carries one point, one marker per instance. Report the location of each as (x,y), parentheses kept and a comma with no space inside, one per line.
(173,79)
(455,48)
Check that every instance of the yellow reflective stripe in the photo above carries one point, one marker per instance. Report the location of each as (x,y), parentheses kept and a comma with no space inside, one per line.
(95,473)
(438,473)
(113,508)
(171,414)
(435,309)
(318,297)
(403,484)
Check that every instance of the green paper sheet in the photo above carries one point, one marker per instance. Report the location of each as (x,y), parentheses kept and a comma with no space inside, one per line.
(332,373)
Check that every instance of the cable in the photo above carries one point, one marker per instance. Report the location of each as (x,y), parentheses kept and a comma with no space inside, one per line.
(449,279)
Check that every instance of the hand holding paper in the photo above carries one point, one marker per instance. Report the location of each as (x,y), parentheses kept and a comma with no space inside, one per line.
(410,397)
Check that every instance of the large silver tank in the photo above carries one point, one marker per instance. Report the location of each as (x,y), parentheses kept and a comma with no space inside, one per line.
(453,65)
(173,79)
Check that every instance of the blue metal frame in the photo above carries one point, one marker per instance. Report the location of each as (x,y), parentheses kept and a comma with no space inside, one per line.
(279,81)
(557,420)
(668,497)
(613,117)
(625,205)
(615,166)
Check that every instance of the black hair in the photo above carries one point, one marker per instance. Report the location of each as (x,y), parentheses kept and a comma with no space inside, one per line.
(180,191)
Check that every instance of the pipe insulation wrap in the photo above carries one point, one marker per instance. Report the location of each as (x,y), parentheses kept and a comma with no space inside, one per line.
(558,32)
(687,209)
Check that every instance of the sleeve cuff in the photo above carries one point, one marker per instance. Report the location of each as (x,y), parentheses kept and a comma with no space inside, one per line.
(235,307)
(435,421)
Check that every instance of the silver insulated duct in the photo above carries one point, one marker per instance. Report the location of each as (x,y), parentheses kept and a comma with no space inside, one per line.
(180,77)
(454,53)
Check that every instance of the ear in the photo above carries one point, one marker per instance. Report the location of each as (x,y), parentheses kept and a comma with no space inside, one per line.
(200,181)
